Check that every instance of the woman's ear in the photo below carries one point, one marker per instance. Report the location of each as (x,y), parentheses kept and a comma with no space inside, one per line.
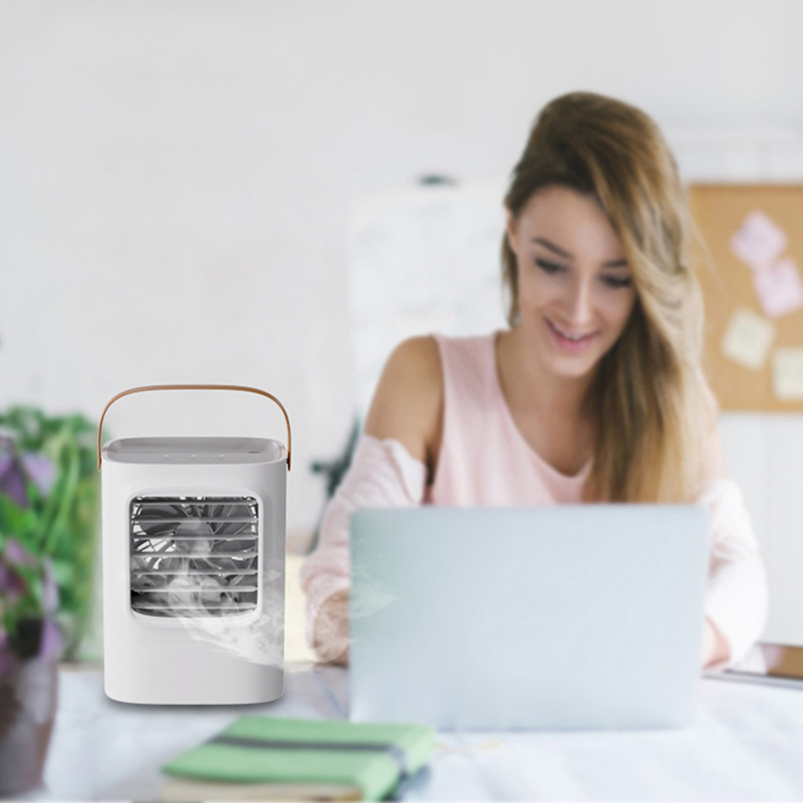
(512,235)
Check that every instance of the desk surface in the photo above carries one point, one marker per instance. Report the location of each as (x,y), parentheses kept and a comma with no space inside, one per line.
(746,744)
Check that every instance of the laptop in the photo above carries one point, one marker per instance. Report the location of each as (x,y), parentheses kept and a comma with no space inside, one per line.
(569,617)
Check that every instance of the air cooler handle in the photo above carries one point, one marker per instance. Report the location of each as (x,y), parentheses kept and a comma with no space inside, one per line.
(243,388)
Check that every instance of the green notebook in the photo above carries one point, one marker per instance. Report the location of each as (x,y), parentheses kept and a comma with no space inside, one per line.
(261,758)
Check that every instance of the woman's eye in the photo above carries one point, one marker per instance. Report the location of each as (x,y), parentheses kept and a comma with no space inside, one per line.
(615,281)
(548,267)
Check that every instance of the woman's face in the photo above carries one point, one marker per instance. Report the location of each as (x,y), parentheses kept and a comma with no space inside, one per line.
(575,288)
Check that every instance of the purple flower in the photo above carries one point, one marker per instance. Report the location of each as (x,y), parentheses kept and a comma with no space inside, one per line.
(16,470)
(16,553)
(12,474)
(40,471)
(50,591)
(11,584)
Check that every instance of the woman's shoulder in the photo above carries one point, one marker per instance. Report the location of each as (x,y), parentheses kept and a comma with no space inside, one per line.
(407,404)
(414,367)
(418,366)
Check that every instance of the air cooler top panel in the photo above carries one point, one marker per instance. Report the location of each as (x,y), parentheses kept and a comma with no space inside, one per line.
(191,451)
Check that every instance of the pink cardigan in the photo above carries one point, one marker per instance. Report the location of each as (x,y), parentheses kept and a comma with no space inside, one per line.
(485,461)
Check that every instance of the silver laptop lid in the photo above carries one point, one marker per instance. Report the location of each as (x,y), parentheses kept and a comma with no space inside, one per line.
(565,617)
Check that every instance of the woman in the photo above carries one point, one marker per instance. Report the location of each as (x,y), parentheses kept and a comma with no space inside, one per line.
(595,392)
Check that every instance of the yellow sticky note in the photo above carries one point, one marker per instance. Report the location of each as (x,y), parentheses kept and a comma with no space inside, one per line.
(787,374)
(747,339)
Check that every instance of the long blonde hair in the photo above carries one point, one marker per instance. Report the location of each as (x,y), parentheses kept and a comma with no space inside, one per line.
(649,399)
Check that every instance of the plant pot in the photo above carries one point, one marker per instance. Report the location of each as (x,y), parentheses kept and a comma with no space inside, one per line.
(28,694)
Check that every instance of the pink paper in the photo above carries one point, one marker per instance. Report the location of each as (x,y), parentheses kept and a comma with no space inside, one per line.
(779,288)
(758,241)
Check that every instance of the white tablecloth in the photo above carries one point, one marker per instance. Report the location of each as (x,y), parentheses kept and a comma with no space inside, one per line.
(747,744)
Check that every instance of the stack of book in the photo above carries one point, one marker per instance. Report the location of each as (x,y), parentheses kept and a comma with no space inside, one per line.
(262,758)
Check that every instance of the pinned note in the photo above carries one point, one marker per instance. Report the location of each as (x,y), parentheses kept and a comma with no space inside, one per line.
(787,374)
(747,339)
(779,288)
(759,241)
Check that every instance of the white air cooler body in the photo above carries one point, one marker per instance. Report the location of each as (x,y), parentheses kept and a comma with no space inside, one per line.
(193,569)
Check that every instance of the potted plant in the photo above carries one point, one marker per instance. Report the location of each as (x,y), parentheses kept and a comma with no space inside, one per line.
(48,517)
(30,642)
(49,493)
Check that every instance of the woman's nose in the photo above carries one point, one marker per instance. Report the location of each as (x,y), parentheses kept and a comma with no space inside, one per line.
(579,303)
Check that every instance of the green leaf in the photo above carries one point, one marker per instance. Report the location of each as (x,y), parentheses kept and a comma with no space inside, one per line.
(16,520)
(63,571)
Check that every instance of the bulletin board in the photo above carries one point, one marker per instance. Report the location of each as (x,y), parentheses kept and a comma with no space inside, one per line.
(754,312)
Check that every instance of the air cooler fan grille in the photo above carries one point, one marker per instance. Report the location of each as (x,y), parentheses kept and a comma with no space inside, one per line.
(194,555)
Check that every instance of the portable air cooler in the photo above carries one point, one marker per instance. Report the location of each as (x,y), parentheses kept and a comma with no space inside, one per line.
(193,565)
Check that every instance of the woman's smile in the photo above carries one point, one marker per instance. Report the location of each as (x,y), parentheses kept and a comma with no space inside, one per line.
(567,340)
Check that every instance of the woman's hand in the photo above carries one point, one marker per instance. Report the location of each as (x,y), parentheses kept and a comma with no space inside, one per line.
(715,648)
(331,631)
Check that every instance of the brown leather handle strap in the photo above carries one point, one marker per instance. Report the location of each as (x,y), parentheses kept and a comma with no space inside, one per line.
(243,388)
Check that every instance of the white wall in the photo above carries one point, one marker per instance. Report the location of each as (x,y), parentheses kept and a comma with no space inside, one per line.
(176,177)
(764,455)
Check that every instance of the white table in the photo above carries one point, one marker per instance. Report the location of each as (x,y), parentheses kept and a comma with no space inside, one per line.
(747,744)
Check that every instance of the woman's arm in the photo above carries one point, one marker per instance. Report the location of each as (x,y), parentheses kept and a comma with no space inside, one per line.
(715,648)
(736,595)
(389,469)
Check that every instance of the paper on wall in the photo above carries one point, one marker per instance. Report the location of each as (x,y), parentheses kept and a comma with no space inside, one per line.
(747,339)
(779,288)
(787,374)
(422,259)
(759,241)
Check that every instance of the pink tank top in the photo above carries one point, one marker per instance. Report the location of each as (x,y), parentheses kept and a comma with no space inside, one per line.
(484,459)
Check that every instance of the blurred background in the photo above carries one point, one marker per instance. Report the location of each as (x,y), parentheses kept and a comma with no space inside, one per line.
(197,191)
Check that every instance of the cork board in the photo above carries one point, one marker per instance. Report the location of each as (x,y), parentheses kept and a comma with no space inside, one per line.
(718,211)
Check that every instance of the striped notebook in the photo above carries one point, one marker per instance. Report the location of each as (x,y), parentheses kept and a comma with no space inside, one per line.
(261,758)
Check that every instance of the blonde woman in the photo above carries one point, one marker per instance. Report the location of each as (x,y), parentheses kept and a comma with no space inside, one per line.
(595,392)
